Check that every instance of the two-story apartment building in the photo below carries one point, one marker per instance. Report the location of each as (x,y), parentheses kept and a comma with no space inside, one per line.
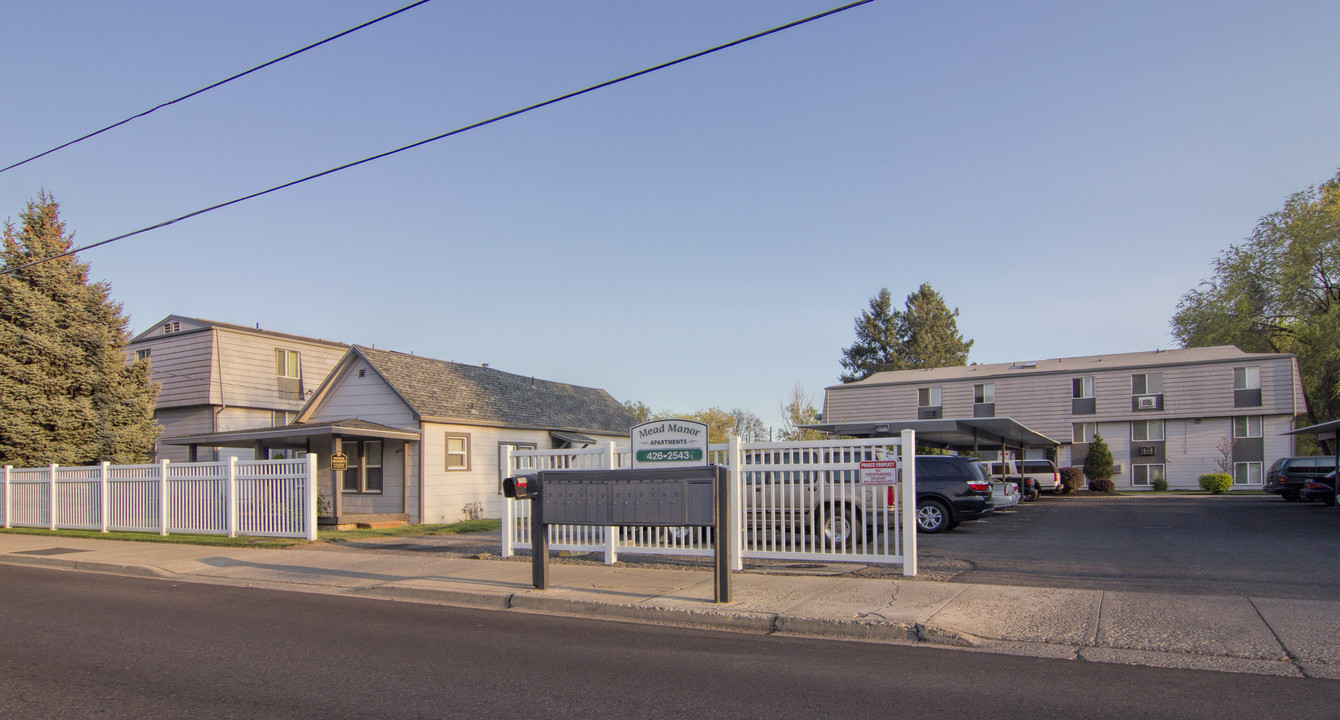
(218,377)
(1171,414)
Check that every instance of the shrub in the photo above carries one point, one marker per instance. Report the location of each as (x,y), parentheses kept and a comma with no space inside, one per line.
(1216,483)
(1072,479)
(1102,485)
(1160,485)
(1098,463)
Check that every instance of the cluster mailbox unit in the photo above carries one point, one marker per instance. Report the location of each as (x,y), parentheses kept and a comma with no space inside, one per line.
(638,497)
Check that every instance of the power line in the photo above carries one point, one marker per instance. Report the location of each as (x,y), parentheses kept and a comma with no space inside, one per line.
(217,84)
(444,135)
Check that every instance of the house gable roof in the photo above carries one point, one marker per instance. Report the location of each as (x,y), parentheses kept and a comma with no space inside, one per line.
(437,390)
(190,325)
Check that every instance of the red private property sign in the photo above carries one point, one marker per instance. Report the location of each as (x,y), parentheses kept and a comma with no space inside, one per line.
(879,472)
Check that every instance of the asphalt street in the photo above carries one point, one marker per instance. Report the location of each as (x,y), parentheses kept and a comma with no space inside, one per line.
(78,645)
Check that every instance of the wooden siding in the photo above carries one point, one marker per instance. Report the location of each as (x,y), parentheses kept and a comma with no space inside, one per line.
(249,376)
(363,398)
(177,422)
(183,364)
(392,497)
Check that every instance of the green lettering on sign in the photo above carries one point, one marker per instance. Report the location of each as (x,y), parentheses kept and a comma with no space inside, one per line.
(689,454)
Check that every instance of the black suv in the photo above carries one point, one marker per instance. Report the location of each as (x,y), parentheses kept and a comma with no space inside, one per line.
(1289,476)
(950,489)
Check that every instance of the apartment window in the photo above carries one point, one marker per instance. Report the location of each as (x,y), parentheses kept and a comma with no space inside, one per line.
(280,418)
(1146,474)
(985,393)
(928,397)
(1247,473)
(1247,378)
(1147,384)
(142,354)
(1248,426)
(458,451)
(364,473)
(287,364)
(1083,432)
(1147,430)
(1081,387)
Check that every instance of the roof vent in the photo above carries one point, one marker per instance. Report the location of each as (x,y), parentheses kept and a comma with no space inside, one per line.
(1024,365)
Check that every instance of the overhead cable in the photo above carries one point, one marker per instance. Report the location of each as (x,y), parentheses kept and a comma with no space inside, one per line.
(448,134)
(217,84)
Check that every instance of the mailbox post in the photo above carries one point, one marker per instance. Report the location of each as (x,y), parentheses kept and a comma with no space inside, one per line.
(639,497)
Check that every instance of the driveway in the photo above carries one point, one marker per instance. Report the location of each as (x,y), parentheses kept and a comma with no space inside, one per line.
(1256,545)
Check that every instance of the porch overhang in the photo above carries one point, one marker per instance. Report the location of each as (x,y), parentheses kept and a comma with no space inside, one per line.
(295,434)
(953,433)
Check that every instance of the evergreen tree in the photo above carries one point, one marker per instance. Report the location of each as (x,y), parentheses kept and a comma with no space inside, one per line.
(923,335)
(67,394)
(876,347)
(1098,463)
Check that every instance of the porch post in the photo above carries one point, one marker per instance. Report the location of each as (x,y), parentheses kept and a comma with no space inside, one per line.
(337,483)
(191,453)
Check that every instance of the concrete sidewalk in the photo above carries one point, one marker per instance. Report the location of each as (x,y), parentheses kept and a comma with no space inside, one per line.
(1223,633)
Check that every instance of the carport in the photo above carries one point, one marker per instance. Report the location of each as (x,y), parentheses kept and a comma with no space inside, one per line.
(959,434)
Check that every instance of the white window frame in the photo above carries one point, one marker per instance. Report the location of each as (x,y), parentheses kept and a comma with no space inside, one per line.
(280,418)
(1081,437)
(1247,427)
(463,454)
(984,393)
(1247,378)
(1136,472)
(1085,386)
(932,394)
(1157,378)
(1248,467)
(1147,424)
(282,366)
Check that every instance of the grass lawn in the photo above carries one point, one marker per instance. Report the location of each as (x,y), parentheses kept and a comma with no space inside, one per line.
(468,526)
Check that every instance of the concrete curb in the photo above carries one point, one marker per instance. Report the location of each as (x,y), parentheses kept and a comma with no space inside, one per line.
(86,566)
(758,623)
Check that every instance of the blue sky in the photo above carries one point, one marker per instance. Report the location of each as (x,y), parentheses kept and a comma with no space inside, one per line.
(1060,172)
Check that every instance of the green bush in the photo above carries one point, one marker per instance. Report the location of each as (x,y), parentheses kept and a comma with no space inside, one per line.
(1102,485)
(1072,479)
(1160,485)
(1216,483)
(1098,463)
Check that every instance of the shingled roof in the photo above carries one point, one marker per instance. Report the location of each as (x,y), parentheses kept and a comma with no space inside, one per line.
(441,390)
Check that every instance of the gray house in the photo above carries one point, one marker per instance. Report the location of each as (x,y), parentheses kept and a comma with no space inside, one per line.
(423,437)
(218,377)
(1172,414)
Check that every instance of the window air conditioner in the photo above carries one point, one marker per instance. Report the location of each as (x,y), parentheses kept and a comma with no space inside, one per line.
(1149,402)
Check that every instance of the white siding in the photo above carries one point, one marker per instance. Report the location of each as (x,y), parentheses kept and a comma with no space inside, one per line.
(367,398)
(1193,450)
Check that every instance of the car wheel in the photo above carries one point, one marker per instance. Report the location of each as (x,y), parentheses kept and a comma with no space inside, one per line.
(933,517)
(839,528)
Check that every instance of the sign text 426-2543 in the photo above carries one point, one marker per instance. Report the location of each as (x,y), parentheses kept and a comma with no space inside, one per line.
(689,455)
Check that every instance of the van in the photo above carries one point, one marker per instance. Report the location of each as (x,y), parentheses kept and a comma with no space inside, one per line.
(1288,476)
(1037,475)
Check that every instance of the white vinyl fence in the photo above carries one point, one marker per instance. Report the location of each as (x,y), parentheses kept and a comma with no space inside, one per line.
(269,498)
(792,498)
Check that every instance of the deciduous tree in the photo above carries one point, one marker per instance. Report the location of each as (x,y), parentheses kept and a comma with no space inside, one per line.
(1279,291)
(67,394)
(798,411)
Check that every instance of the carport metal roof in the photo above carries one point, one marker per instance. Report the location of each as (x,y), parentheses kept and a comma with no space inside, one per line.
(958,433)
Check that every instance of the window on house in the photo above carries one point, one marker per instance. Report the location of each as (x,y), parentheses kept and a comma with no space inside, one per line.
(928,397)
(287,364)
(1146,474)
(364,473)
(1147,430)
(1147,384)
(1081,387)
(280,418)
(1247,378)
(458,451)
(1247,473)
(142,354)
(985,393)
(1083,432)
(1247,427)
(171,327)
